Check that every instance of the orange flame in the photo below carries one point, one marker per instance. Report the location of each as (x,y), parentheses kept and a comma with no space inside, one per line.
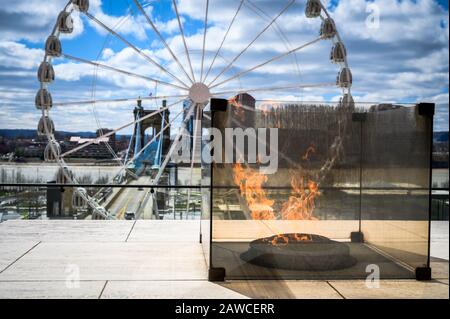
(301,203)
(280,240)
(299,206)
(250,184)
(303,237)
(283,240)
(311,150)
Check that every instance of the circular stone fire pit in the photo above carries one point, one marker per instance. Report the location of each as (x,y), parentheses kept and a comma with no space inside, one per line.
(299,252)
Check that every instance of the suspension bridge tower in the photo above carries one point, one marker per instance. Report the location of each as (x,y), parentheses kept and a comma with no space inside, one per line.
(150,140)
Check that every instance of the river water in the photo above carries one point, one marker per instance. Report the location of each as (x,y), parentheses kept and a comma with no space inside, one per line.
(42,173)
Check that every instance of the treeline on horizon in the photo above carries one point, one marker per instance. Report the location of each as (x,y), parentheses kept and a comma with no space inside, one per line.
(441,136)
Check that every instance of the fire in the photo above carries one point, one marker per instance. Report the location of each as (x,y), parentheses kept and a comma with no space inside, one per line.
(301,203)
(282,240)
(303,237)
(299,206)
(311,149)
(250,184)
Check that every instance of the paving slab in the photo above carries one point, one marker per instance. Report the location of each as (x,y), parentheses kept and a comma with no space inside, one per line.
(443,281)
(439,268)
(392,289)
(65,230)
(110,261)
(439,239)
(166,231)
(9,252)
(50,289)
(283,289)
(168,290)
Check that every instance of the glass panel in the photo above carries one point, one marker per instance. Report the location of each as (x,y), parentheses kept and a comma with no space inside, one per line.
(303,220)
(396,168)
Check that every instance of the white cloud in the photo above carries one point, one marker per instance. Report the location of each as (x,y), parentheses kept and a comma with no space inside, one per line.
(18,56)
(33,20)
(405,60)
(107,53)
(399,21)
(169,27)
(441,99)
(127,24)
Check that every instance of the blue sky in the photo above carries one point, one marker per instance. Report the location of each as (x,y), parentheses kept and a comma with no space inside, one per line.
(404,59)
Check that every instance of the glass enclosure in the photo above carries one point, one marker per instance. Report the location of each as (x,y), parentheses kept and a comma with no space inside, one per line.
(350,192)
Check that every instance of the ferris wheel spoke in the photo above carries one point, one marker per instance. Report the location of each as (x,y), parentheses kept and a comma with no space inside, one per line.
(180,25)
(240,74)
(263,15)
(99,101)
(155,29)
(125,165)
(128,73)
(140,52)
(291,2)
(204,40)
(100,138)
(274,88)
(224,39)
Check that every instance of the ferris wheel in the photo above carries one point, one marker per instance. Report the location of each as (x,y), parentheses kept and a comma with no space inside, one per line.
(238,46)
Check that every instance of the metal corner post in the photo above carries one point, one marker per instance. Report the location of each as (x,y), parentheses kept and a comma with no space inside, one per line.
(214,274)
(428,110)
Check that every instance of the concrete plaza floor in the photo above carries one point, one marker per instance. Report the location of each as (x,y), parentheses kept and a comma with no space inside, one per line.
(161,259)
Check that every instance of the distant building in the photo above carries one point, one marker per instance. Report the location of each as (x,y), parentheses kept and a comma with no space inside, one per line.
(111,138)
(100,148)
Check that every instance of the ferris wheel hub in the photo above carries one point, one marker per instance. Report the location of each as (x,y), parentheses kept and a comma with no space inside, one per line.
(199,93)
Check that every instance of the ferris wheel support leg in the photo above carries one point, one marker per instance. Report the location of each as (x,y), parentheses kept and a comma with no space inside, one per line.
(194,149)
